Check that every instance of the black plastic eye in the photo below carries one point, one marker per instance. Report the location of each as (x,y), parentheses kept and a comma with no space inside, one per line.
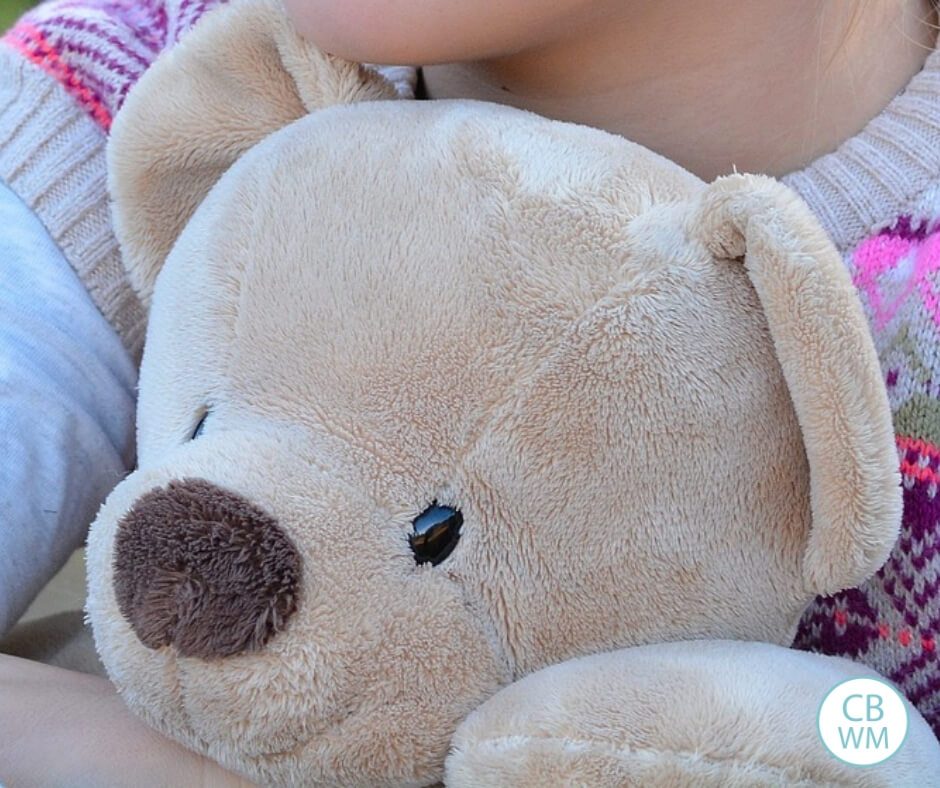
(197,431)
(435,534)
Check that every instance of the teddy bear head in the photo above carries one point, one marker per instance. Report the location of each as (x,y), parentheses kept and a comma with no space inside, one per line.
(436,394)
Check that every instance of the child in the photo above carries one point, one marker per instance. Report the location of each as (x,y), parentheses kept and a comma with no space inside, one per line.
(805,90)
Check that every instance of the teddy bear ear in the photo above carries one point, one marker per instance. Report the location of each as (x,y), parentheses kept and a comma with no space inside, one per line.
(824,346)
(240,74)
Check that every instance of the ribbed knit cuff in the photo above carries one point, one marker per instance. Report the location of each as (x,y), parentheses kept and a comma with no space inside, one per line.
(52,154)
(882,171)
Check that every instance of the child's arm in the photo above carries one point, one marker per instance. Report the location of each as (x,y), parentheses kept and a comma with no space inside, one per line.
(64,728)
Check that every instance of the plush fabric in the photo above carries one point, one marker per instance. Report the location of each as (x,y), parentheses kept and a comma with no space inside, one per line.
(65,70)
(629,383)
(67,67)
(71,65)
(672,714)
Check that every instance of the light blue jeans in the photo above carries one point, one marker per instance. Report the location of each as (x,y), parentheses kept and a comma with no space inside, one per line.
(67,390)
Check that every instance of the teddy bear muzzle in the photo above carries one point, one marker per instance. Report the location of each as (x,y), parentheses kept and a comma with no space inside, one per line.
(203,569)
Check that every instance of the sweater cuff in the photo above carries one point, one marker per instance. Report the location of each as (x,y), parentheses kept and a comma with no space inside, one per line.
(52,154)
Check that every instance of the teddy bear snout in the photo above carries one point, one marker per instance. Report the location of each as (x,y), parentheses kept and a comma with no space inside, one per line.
(205,570)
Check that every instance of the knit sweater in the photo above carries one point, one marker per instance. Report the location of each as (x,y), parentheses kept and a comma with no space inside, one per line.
(67,67)
(878,197)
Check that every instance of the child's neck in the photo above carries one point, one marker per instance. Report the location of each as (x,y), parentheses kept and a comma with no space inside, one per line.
(761,86)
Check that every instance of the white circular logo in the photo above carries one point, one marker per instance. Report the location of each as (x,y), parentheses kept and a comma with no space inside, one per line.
(863,721)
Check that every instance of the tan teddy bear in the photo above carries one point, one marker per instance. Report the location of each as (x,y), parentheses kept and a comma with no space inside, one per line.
(438,395)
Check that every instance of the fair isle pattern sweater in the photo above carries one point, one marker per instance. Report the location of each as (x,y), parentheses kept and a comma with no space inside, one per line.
(878,196)
(67,66)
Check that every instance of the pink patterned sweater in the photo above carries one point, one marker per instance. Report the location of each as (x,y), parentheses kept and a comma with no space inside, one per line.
(67,66)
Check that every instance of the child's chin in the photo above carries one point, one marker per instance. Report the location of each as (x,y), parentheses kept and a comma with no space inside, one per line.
(422,31)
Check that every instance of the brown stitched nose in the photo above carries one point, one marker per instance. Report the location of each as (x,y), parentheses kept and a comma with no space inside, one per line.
(205,570)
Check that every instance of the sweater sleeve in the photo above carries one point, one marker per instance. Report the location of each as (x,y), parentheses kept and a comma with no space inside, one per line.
(65,69)
(66,408)
(68,344)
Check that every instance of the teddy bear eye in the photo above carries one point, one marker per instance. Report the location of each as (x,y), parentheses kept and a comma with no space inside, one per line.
(200,426)
(435,533)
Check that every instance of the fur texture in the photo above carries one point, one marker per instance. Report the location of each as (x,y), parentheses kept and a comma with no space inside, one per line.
(672,714)
(203,569)
(548,328)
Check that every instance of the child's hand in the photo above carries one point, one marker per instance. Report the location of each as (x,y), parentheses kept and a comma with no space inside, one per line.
(63,728)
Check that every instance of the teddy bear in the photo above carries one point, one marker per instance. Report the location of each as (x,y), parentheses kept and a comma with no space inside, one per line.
(475,447)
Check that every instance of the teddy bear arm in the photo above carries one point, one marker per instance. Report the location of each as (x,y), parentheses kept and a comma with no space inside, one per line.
(696,713)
